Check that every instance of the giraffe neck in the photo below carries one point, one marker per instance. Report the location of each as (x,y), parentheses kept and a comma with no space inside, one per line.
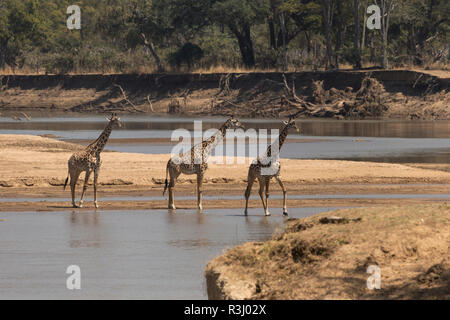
(281,138)
(215,139)
(97,146)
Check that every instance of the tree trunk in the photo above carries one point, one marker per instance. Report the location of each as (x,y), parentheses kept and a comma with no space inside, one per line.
(385,58)
(384,27)
(363,38)
(338,35)
(356,43)
(151,48)
(372,48)
(2,58)
(386,9)
(327,11)
(422,34)
(3,46)
(245,45)
(308,42)
(273,16)
(273,42)
(283,30)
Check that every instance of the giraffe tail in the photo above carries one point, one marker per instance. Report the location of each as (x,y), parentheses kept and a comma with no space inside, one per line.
(166,182)
(67,180)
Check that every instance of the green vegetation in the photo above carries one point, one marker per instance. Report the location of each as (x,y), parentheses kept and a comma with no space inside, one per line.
(220,35)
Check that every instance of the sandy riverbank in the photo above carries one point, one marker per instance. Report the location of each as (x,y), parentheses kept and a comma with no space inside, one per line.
(36,167)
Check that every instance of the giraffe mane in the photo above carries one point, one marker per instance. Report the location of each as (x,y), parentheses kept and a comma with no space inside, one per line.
(95,142)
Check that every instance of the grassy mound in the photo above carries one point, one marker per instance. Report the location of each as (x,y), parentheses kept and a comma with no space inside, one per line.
(327,257)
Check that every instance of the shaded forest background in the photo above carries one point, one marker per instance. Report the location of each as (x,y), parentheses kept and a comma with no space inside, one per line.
(137,36)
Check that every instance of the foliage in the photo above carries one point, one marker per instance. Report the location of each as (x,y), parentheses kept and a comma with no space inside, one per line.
(146,35)
(187,54)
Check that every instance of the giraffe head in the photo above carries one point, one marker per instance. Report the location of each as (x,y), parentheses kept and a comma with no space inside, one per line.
(233,123)
(114,120)
(291,124)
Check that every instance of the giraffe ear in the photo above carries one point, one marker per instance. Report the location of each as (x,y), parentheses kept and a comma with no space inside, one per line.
(285,122)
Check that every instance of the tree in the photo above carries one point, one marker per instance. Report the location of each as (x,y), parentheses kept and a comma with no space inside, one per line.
(327,11)
(152,22)
(424,21)
(356,35)
(19,26)
(339,33)
(386,7)
(307,16)
(239,16)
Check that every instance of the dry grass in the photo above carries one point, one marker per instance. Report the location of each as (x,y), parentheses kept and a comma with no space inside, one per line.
(311,260)
(441,70)
(146,69)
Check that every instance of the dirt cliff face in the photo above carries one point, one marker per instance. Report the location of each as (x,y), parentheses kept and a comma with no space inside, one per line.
(333,256)
(336,94)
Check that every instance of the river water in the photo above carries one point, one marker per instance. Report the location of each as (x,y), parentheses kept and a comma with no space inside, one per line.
(148,254)
(157,254)
(380,141)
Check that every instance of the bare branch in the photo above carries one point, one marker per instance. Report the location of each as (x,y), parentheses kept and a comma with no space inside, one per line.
(126,99)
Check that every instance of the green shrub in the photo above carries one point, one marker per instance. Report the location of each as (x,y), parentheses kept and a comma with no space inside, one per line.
(188,54)
(61,64)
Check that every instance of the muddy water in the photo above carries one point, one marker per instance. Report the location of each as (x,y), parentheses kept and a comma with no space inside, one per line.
(381,141)
(122,255)
(154,254)
(240,197)
(316,127)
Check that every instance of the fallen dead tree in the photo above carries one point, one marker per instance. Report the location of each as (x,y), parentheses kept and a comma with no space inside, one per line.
(368,101)
(317,109)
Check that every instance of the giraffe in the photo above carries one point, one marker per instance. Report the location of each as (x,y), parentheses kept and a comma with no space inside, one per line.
(195,161)
(89,161)
(270,163)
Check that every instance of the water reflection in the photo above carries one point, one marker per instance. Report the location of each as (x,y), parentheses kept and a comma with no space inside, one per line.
(386,141)
(85,229)
(314,127)
(151,254)
(172,213)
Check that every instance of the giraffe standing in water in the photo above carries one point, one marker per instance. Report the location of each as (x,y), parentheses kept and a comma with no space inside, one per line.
(195,161)
(89,161)
(266,167)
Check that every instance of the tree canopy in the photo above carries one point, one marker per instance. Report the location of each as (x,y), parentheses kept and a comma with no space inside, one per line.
(182,35)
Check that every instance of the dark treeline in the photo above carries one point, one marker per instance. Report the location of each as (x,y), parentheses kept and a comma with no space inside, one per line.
(221,35)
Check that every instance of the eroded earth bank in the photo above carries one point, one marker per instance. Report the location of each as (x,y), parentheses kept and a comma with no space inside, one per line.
(394,94)
(334,254)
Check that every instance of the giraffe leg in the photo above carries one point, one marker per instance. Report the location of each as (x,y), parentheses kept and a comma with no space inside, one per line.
(171,199)
(173,174)
(261,195)
(247,194)
(250,181)
(267,195)
(284,195)
(86,180)
(74,175)
(199,190)
(96,172)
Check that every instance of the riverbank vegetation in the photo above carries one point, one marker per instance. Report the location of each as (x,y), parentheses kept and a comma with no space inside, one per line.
(141,36)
